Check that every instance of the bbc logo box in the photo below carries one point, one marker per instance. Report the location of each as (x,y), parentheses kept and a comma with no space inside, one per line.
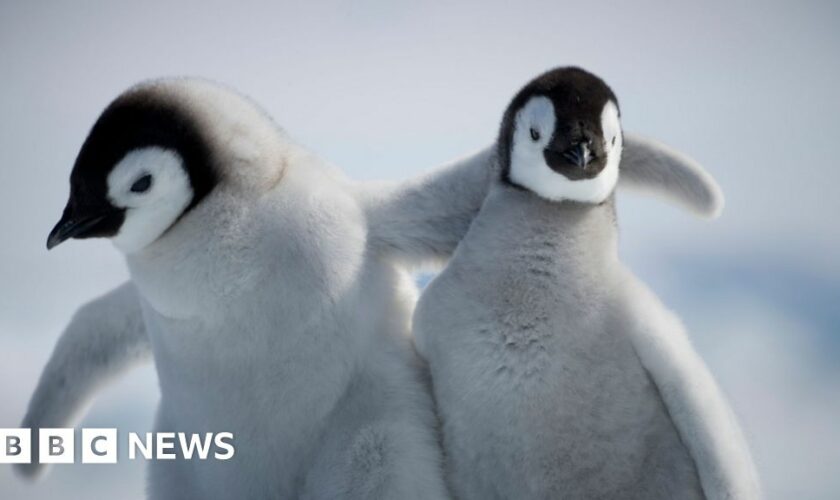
(99,446)
(16,446)
(56,446)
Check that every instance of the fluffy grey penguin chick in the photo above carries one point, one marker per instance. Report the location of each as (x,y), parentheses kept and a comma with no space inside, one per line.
(249,259)
(557,374)
(408,223)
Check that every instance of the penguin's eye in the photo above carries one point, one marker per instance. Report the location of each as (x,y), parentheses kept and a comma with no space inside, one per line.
(535,134)
(142,184)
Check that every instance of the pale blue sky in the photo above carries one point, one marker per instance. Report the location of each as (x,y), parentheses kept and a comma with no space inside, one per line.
(386,90)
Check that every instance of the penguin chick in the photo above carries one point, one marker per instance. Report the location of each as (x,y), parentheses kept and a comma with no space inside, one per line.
(266,316)
(556,373)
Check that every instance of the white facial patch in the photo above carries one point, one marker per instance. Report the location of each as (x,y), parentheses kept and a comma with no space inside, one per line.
(529,169)
(148,213)
(613,142)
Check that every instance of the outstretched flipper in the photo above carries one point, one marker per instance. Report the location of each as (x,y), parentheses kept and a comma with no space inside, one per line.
(653,167)
(703,419)
(105,338)
(422,220)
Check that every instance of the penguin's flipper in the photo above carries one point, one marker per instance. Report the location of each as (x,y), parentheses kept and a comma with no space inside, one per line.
(105,338)
(654,167)
(705,422)
(421,221)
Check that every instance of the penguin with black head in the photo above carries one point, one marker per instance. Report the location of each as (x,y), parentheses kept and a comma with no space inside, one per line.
(557,374)
(248,257)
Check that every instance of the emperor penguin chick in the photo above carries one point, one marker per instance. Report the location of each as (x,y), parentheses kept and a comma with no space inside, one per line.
(248,258)
(557,374)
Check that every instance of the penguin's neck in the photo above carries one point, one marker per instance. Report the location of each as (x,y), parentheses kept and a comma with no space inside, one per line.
(578,239)
(201,262)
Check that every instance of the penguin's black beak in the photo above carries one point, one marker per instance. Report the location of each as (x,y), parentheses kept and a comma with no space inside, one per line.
(69,227)
(579,154)
(577,161)
(84,225)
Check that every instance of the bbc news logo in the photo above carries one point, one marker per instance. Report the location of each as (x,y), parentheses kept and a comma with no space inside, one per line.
(99,446)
